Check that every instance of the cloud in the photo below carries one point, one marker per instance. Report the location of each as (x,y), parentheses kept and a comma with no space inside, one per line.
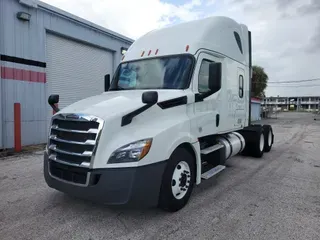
(312,8)
(314,43)
(210,2)
(308,10)
(130,18)
(192,4)
(285,33)
(283,4)
(285,41)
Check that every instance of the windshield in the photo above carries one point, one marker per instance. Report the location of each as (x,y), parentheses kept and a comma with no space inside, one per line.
(171,72)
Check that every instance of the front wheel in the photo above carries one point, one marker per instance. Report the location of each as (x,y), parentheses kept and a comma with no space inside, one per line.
(178,180)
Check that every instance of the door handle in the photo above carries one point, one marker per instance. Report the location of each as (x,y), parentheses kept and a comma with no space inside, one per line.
(217,120)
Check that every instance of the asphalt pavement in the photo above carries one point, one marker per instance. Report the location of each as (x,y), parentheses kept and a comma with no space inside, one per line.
(275,197)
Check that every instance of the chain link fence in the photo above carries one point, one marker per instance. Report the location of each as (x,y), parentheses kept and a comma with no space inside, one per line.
(269,112)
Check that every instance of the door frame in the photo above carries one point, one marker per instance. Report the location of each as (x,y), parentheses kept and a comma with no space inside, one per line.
(205,112)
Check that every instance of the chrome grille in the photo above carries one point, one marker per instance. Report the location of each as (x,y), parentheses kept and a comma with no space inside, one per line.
(73,139)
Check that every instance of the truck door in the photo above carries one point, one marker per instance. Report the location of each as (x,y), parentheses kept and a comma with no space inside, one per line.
(240,103)
(206,114)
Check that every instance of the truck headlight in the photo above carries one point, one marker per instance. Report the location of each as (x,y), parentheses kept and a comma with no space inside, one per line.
(131,152)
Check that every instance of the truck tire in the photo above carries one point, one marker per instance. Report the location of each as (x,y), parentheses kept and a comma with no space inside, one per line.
(177,181)
(268,138)
(255,141)
(257,146)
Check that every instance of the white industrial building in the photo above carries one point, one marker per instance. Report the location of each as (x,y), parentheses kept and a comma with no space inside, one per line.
(45,50)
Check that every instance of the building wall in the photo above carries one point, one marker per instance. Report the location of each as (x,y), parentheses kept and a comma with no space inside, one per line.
(1,50)
(25,82)
(255,110)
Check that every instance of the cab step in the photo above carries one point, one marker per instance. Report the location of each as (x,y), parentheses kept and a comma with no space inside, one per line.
(213,171)
(211,149)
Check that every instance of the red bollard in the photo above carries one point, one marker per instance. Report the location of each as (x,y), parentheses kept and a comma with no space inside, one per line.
(17,127)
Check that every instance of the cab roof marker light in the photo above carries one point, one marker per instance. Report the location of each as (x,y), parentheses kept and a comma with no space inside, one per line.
(149,53)
(156,51)
(187,48)
(142,54)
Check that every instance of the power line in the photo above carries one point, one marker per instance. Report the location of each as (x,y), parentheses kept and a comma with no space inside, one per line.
(296,81)
(315,85)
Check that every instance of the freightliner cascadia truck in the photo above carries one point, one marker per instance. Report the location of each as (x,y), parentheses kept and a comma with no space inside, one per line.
(177,108)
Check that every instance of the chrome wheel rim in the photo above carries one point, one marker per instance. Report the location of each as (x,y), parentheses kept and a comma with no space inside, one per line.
(180,180)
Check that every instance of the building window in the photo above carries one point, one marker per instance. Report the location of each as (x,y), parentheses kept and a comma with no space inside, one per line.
(241,86)
(238,40)
(203,80)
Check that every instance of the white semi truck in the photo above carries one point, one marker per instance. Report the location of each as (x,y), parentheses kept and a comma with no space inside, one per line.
(177,108)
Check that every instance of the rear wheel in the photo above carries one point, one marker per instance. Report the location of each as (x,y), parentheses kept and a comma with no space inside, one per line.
(255,141)
(268,138)
(258,146)
(178,180)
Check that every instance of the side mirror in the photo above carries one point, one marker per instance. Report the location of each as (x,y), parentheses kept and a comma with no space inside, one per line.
(215,76)
(52,100)
(150,97)
(106,82)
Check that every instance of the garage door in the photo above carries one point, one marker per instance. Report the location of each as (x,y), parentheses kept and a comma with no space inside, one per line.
(75,70)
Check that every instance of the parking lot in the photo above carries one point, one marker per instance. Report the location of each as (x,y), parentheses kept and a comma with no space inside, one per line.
(275,197)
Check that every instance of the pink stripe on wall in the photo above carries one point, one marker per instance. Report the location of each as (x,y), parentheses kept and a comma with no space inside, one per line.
(23,75)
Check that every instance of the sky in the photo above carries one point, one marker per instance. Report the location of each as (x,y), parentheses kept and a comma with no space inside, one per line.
(285,33)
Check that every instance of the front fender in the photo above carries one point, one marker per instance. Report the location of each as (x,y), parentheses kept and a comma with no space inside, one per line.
(195,146)
(170,139)
(168,128)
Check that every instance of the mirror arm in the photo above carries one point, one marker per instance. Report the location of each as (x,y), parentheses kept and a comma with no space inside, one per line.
(127,119)
(200,96)
(106,82)
(54,107)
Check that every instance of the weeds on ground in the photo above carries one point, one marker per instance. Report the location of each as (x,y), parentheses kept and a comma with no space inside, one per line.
(25,150)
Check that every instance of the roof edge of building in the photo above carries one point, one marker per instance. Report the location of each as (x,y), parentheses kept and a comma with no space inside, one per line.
(48,7)
(255,100)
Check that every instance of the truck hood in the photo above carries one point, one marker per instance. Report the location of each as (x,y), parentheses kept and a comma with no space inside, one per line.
(112,103)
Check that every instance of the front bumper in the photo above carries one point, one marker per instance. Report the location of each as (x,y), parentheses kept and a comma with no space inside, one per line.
(112,186)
